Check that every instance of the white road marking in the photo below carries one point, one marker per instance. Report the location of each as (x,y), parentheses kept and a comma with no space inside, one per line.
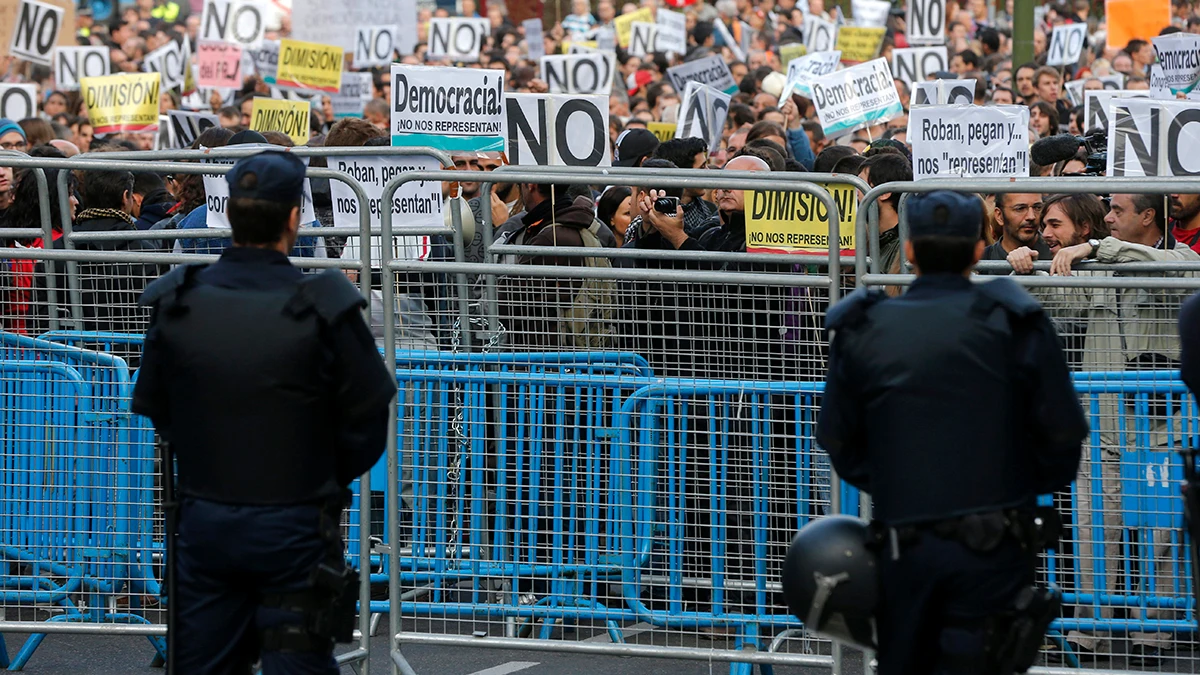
(627,632)
(506,668)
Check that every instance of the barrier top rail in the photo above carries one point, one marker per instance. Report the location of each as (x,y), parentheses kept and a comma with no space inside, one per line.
(998,185)
(237,152)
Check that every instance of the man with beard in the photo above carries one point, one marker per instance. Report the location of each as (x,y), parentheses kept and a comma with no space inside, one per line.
(1017,214)
(1185,214)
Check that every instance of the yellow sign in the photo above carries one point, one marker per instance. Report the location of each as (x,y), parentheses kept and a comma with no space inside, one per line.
(789,53)
(308,65)
(780,221)
(624,24)
(119,103)
(858,44)
(665,131)
(290,117)
(586,44)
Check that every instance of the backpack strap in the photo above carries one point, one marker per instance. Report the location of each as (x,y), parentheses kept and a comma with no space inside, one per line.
(166,292)
(851,311)
(330,294)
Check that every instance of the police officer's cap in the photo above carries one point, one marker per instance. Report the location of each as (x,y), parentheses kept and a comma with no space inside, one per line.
(279,177)
(944,214)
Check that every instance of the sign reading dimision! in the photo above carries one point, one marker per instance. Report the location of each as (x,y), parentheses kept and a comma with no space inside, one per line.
(289,117)
(783,221)
(118,103)
(309,66)
(450,109)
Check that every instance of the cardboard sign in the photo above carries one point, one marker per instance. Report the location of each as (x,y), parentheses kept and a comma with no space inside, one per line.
(1153,138)
(374,46)
(779,221)
(702,114)
(457,39)
(36,31)
(240,21)
(969,141)
(804,70)
(1129,19)
(918,63)
(870,13)
(650,38)
(1066,44)
(338,23)
(1179,60)
(535,41)
(289,117)
(183,128)
(710,70)
(18,101)
(415,204)
(10,9)
(579,73)
(1095,105)
(265,58)
(118,103)
(819,35)
(72,64)
(557,130)
(624,24)
(170,61)
(857,97)
(663,131)
(219,65)
(449,109)
(859,44)
(944,92)
(926,22)
(309,66)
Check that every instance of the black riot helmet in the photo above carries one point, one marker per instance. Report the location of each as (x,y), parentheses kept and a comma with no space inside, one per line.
(831,580)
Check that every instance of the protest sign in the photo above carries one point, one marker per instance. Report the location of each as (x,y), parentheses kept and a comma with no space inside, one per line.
(557,130)
(916,64)
(219,65)
(590,73)
(673,20)
(170,61)
(859,44)
(870,13)
(1074,90)
(289,117)
(374,46)
(804,70)
(856,97)
(73,63)
(624,24)
(18,101)
(535,41)
(944,92)
(1153,138)
(1095,105)
(119,103)
(457,39)
(663,131)
(265,57)
(450,109)
(338,23)
(727,39)
(240,21)
(36,31)
(651,38)
(1114,81)
(310,66)
(819,35)
(606,40)
(183,128)
(1129,19)
(580,46)
(791,52)
(216,197)
(357,89)
(1179,61)
(969,141)
(1066,44)
(9,15)
(415,203)
(782,221)
(711,70)
(926,22)
(702,114)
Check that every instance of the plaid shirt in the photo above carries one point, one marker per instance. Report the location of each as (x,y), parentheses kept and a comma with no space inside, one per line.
(578,24)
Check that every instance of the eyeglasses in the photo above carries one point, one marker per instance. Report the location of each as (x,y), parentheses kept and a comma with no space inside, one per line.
(21,145)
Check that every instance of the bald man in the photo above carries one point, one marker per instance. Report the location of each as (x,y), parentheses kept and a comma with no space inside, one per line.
(66,147)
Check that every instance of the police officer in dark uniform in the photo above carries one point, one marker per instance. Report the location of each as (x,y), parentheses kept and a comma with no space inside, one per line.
(268,387)
(952,406)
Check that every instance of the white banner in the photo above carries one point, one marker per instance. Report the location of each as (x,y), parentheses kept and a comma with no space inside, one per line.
(338,23)
(240,21)
(264,58)
(1066,44)
(170,62)
(74,63)
(18,101)
(916,64)
(1179,61)
(457,39)
(374,46)
(357,89)
(183,128)
(819,35)
(856,97)
(450,109)
(416,203)
(650,38)
(1153,138)
(969,141)
(926,22)
(869,13)
(35,33)
(944,92)
(590,73)
(711,70)
(702,114)
(1095,105)
(557,130)
(535,41)
(802,71)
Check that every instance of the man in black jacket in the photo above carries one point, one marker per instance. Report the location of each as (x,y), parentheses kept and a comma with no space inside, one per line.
(151,200)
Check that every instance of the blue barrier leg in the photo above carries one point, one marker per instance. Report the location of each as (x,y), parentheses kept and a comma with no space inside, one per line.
(3,653)
(27,650)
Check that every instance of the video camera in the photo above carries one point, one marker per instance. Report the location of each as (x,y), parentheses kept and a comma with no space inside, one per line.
(1054,149)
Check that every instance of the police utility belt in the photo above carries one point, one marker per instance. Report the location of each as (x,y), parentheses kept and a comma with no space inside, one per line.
(1033,529)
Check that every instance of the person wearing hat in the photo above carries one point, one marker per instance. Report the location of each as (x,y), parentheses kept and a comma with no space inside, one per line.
(266,386)
(12,136)
(634,146)
(954,494)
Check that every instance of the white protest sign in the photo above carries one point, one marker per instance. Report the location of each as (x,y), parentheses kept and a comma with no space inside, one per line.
(702,114)
(926,22)
(819,35)
(916,64)
(944,92)
(676,21)
(170,62)
(870,13)
(241,21)
(1066,44)
(969,141)
(606,40)
(535,41)
(1074,90)
(803,70)
(416,203)
(457,39)
(1114,81)
(590,73)
(1179,61)
(1153,138)
(357,89)
(183,128)
(36,31)
(856,97)
(374,46)
(557,130)
(18,101)
(265,57)
(449,109)
(1095,105)
(216,192)
(337,23)
(728,41)
(73,63)
(649,38)
(710,70)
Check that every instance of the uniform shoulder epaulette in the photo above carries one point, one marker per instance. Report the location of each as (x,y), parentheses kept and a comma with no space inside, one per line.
(169,284)
(1009,295)
(852,309)
(329,293)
